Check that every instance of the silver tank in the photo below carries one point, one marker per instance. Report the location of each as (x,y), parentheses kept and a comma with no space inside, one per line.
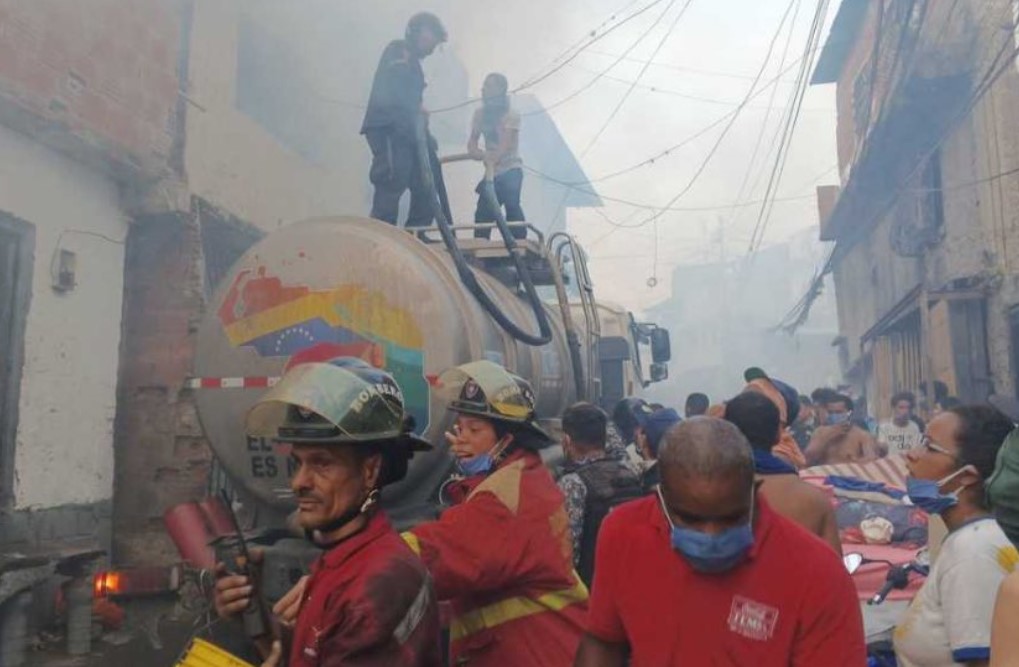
(353,286)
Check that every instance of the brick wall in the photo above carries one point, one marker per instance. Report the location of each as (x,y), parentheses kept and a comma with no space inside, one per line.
(161,455)
(98,76)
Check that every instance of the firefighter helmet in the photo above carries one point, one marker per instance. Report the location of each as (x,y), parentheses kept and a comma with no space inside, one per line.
(426,21)
(487,390)
(342,401)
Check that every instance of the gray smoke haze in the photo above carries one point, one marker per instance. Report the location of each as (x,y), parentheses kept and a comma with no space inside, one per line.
(704,69)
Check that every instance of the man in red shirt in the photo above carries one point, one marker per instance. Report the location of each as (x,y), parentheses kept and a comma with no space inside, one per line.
(368,600)
(705,573)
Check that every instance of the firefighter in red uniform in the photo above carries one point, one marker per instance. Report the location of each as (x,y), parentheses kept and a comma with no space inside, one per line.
(502,553)
(368,599)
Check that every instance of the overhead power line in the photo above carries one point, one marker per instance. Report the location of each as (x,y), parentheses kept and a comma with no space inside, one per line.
(1001,63)
(640,75)
(751,163)
(564,61)
(652,207)
(785,142)
(732,121)
(673,148)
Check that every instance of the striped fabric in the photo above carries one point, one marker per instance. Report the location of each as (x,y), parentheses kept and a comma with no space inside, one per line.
(890,470)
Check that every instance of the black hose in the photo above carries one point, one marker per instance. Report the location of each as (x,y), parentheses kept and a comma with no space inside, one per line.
(440,205)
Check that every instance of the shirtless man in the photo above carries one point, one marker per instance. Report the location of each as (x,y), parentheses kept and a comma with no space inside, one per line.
(841,441)
(759,420)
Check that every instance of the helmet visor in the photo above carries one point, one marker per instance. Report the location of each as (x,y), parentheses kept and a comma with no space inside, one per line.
(360,410)
(482,387)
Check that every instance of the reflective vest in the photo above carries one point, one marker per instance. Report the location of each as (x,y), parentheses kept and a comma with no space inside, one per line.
(503,557)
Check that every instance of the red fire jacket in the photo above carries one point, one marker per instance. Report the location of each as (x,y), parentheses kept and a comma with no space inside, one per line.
(503,557)
(369,602)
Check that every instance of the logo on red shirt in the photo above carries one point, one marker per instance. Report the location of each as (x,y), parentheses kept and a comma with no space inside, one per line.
(752,619)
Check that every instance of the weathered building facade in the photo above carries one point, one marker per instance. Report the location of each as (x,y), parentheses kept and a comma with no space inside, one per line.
(926,218)
(89,146)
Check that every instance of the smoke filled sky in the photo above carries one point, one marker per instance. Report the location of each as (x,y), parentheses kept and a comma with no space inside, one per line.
(707,61)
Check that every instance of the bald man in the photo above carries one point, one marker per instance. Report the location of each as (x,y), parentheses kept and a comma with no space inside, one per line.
(705,573)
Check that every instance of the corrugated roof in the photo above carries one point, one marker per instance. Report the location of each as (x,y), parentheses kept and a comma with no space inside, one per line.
(840,41)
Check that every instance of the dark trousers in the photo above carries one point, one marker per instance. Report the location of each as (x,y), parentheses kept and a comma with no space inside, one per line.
(395,169)
(507,193)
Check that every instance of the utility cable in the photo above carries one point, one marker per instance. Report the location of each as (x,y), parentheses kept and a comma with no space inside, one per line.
(735,116)
(998,67)
(601,74)
(785,142)
(556,68)
(640,75)
(764,124)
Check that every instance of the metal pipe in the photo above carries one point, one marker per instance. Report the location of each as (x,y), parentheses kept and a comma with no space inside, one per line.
(14,629)
(79,615)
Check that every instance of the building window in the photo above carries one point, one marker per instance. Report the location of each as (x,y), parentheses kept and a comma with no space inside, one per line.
(224,241)
(17,241)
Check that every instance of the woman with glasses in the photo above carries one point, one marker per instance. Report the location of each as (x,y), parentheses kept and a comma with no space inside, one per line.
(949,621)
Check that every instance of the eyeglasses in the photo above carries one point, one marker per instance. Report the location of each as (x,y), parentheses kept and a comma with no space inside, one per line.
(930,446)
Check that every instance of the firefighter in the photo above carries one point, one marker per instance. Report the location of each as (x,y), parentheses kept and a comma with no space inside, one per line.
(502,553)
(368,599)
(394,108)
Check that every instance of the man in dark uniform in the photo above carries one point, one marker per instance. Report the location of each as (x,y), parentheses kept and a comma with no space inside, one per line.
(393,111)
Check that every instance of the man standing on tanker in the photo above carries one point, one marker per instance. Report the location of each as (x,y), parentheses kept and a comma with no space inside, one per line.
(394,107)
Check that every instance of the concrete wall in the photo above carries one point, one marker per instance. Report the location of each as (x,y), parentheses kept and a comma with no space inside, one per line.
(233,161)
(64,445)
(980,236)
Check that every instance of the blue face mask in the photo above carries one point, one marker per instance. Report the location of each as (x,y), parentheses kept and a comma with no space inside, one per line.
(838,418)
(712,553)
(482,463)
(926,494)
(477,465)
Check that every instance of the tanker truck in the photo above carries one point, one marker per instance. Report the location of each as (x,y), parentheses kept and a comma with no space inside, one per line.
(413,302)
(355,287)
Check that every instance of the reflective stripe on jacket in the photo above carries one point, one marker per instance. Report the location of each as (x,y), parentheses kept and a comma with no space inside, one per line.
(503,557)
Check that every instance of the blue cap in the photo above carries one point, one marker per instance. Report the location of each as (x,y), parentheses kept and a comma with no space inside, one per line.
(656,424)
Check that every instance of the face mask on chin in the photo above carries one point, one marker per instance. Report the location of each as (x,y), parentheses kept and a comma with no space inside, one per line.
(483,463)
(926,494)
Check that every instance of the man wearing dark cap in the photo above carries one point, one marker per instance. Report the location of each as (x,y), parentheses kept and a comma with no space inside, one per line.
(704,572)
(394,108)
(651,432)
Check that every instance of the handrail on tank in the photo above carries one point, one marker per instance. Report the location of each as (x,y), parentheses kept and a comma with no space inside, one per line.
(482,225)
(440,205)
(587,302)
(572,338)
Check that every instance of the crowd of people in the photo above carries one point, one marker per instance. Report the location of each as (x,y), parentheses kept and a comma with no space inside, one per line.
(659,539)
